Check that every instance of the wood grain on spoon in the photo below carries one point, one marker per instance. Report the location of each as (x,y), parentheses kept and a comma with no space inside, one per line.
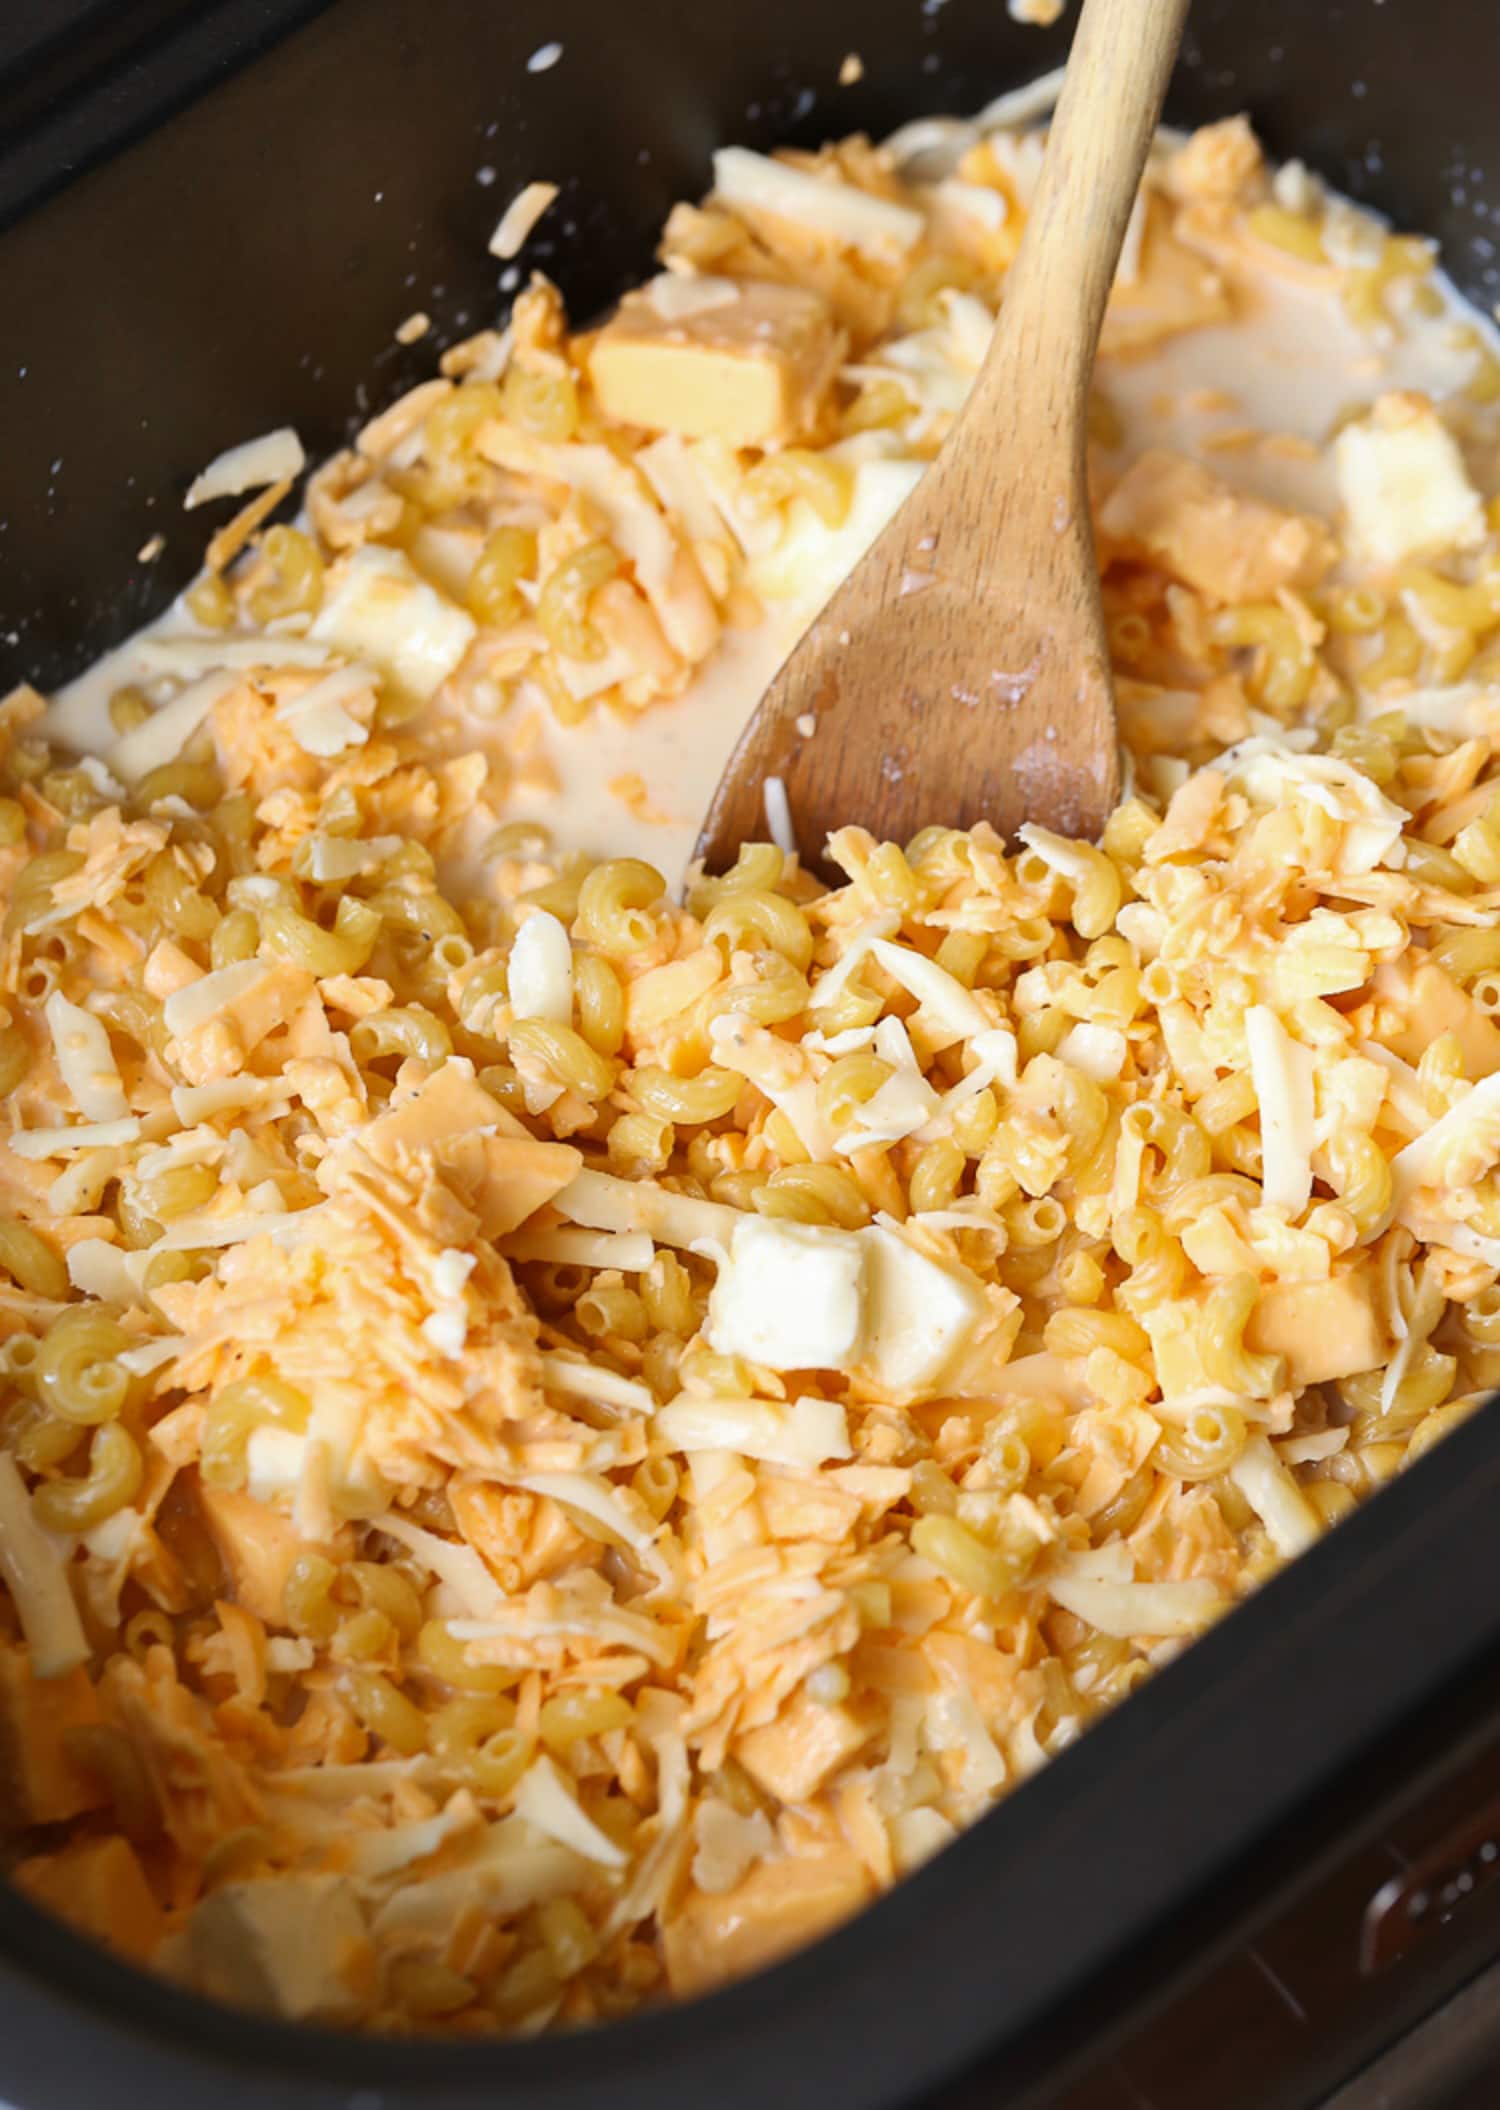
(961,673)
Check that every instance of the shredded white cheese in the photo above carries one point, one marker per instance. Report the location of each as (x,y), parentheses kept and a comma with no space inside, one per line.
(456,1565)
(519,218)
(604,1203)
(85,1060)
(1275,1497)
(544,1800)
(319,719)
(677,295)
(271,459)
(1136,1610)
(540,969)
(87,1135)
(35,1574)
(166,732)
(1281,1070)
(825,204)
(806,1432)
(779,815)
(570,1245)
(196,1003)
(939,993)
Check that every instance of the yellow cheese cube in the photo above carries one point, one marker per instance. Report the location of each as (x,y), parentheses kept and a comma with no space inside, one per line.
(750,369)
(793,1756)
(1223,542)
(1325,1330)
(100,1888)
(779,1906)
(39,1783)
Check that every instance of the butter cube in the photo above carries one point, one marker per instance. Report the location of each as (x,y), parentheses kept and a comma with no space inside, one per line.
(1403,483)
(751,370)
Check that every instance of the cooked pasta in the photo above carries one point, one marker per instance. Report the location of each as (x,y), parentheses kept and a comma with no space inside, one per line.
(568,1427)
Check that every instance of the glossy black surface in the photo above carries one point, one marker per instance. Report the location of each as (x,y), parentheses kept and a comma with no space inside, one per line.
(243,264)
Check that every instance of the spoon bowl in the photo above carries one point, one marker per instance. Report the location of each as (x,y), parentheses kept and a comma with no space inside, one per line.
(961,672)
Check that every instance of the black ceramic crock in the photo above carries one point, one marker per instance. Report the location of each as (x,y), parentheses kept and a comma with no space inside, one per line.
(1275,1858)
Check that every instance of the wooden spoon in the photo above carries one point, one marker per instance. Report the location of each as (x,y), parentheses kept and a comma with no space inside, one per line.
(961,672)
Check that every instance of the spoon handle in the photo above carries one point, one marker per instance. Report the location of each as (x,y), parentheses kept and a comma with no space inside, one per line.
(1055,292)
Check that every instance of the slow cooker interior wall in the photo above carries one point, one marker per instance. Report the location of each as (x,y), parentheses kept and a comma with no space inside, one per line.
(247,263)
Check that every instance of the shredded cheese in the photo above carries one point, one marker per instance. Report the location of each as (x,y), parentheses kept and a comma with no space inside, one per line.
(271,459)
(36,1576)
(1281,1070)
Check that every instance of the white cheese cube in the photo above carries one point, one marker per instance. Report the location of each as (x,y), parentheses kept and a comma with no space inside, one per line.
(918,1315)
(1403,484)
(789,1296)
(378,608)
(292,1946)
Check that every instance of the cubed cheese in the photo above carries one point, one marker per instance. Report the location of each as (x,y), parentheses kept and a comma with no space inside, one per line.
(257,1545)
(100,1888)
(378,608)
(810,559)
(1326,1330)
(1221,541)
(780,1905)
(918,1314)
(292,1946)
(793,1756)
(752,371)
(1403,484)
(39,1782)
(789,1296)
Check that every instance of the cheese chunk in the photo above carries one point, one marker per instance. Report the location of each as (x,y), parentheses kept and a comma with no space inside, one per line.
(918,1314)
(292,1946)
(377,608)
(100,1888)
(793,1756)
(39,1782)
(790,1296)
(257,1545)
(1220,541)
(1403,484)
(779,1906)
(1325,1330)
(1436,1005)
(752,371)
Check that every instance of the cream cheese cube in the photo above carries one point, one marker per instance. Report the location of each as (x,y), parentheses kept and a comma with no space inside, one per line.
(918,1314)
(789,1296)
(378,608)
(1403,484)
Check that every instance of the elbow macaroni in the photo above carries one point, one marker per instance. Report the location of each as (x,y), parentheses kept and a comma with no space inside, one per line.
(369,1378)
